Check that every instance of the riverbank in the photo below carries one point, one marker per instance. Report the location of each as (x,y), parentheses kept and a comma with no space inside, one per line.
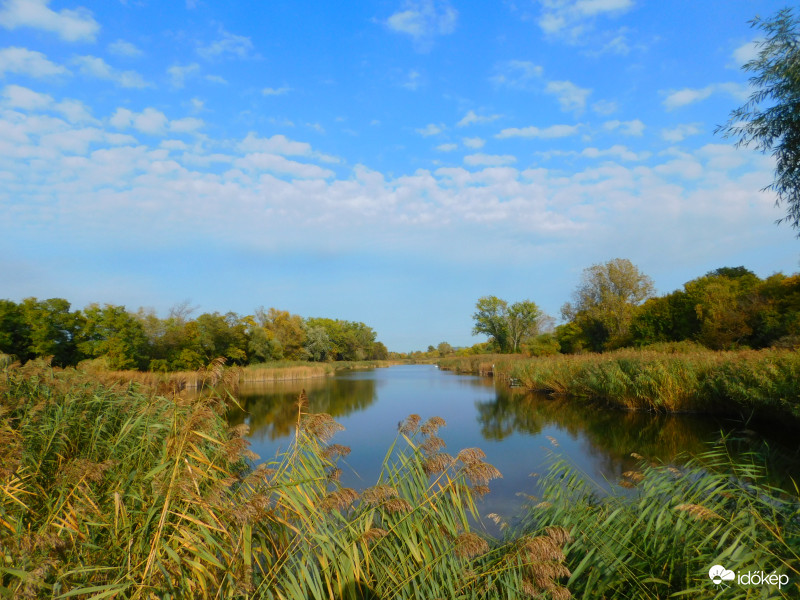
(117,491)
(217,371)
(764,384)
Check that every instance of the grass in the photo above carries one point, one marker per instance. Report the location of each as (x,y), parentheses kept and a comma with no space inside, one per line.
(662,529)
(112,490)
(764,384)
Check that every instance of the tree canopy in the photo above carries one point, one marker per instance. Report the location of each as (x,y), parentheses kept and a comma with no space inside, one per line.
(605,300)
(769,119)
(508,326)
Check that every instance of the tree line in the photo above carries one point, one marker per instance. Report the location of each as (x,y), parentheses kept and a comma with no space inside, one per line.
(615,306)
(141,340)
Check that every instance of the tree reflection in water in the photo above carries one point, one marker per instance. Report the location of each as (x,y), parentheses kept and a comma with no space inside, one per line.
(271,408)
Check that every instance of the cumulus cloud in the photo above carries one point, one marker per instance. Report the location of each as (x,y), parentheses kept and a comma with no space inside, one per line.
(616,151)
(70,25)
(277,144)
(186,125)
(228,44)
(570,97)
(275,163)
(472,118)
(123,48)
(554,131)
(604,107)
(178,74)
(411,81)
(474,142)
(423,20)
(634,127)
(268,91)
(447,147)
(92,66)
(149,121)
(430,129)
(686,96)
(516,74)
(16,96)
(22,61)
(681,132)
(746,52)
(571,18)
(489,160)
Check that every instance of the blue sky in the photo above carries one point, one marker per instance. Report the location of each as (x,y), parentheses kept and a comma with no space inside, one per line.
(387,162)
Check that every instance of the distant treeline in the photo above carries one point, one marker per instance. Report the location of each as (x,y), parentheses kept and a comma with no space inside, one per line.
(141,340)
(615,306)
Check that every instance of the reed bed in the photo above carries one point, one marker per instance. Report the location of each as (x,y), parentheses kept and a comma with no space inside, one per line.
(764,384)
(496,365)
(112,490)
(662,528)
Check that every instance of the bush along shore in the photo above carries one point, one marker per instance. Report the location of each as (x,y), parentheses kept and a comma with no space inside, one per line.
(761,384)
(111,490)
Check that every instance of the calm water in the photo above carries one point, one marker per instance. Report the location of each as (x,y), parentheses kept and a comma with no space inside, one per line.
(513,428)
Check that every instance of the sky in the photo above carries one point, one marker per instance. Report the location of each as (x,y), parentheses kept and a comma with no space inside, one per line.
(388,162)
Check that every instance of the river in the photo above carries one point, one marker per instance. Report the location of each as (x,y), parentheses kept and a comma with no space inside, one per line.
(520,433)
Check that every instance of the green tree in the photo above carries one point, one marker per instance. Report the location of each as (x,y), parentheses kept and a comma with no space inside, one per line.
(14,332)
(318,344)
(444,349)
(52,330)
(507,326)
(115,334)
(490,319)
(769,121)
(605,302)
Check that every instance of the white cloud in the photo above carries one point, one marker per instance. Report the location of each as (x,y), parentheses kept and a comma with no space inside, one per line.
(746,52)
(412,81)
(16,96)
(516,74)
(22,61)
(178,74)
(571,97)
(149,121)
(474,142)
(278,164)
(277,144)
(430,129)
(604,107)
(216,79)
(69,25)
(573,17)
(92,66)
(228,45)
(75,111)
(447,147)
(554,131)
(186,125)
(616,151)
(681,132)
(489,160)
(679,98)
(423,20)
(276,91)
(471,118)
(634,127)
(123,48)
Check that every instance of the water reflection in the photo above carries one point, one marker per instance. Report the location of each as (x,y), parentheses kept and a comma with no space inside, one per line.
(270,409)
(512,427)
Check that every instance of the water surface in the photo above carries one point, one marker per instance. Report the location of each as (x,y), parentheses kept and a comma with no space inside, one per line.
(519,432)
